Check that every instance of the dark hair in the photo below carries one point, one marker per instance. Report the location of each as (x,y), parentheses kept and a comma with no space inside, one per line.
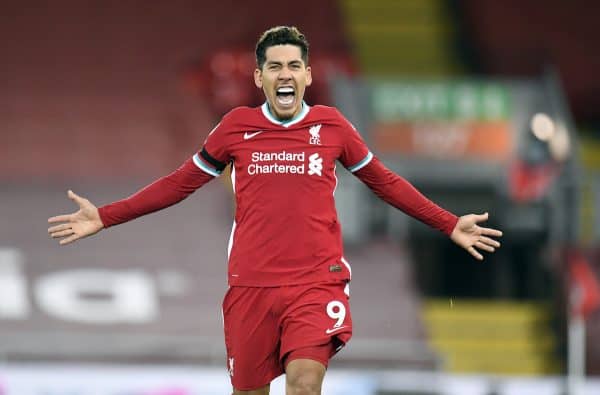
(280,35)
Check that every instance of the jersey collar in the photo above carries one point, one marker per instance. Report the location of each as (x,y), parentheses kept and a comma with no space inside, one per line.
(267,113)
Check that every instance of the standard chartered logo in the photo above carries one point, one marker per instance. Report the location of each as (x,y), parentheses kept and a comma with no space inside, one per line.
(284,162)
(315,164)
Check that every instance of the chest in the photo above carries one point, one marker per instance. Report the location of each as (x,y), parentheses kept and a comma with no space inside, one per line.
(310,151)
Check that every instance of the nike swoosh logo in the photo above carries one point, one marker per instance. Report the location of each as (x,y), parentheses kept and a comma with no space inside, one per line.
(330,331)
(250,135)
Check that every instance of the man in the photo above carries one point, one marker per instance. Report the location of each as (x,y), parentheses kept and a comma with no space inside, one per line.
(286,310)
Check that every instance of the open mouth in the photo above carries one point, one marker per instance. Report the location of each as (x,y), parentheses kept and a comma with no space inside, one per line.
(285,96)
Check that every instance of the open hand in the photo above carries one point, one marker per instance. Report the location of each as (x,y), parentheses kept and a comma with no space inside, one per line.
(80,224)
(471,236)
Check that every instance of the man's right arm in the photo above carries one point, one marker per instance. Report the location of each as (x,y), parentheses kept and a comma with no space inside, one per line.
(162,193)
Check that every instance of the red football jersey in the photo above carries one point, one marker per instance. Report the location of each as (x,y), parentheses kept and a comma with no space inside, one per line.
(286,229)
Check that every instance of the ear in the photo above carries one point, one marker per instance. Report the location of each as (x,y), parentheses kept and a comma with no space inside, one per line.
(308,76)
(258,78)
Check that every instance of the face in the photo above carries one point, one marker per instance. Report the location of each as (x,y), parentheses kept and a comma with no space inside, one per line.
(283,78)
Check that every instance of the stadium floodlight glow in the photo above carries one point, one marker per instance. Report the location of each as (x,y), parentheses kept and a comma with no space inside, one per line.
(560,145)
(542,126)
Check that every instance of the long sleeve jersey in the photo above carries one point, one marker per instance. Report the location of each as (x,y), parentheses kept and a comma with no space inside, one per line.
(286,229)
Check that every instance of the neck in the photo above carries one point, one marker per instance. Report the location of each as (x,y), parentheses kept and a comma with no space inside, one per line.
(266,110)
(280,119)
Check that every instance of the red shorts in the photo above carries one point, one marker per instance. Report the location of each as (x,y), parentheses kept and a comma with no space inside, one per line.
(265,328)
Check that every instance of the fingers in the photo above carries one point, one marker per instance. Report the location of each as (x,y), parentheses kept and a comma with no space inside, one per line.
(475,253)
(474,237)
(59,228)
(62,233)
(488,241)
(68,217)
(481,217)
(483,243)
(64,229)
(487,231)
(491,232)
(485,247)
(76,198)
(60,218)
(69,239)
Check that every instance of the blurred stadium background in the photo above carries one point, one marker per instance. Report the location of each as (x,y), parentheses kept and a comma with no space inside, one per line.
(484,105)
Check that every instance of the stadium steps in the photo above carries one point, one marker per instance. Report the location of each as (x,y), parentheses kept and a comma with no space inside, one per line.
(492,337)
(589,152)
(402,37)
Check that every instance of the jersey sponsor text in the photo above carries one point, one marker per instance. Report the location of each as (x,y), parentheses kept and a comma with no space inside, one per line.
(271,163)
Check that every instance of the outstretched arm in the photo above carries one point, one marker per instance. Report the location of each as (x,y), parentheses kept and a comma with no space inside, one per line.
(398,192)
(162,193)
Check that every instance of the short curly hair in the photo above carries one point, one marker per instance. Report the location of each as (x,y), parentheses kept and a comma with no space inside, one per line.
(280,35)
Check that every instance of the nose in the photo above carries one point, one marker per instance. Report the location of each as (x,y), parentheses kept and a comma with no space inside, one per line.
(284,74)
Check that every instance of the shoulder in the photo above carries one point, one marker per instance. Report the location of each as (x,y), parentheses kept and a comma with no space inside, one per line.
(326,112)
(240,115)
(330,116)
(238,119)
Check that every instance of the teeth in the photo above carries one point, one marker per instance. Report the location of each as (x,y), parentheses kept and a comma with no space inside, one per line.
(285,90)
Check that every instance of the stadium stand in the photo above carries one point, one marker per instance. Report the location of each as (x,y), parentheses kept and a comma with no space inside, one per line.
(101,98)
(97,99)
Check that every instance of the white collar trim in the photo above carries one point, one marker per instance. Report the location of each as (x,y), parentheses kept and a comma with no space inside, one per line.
(303,112)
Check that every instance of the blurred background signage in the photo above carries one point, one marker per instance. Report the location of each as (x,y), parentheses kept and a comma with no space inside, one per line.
(442,119)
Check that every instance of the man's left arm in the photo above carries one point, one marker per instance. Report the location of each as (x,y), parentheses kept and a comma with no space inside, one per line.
(399,193)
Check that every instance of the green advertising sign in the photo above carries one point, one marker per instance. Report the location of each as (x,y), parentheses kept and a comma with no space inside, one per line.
(462,100)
